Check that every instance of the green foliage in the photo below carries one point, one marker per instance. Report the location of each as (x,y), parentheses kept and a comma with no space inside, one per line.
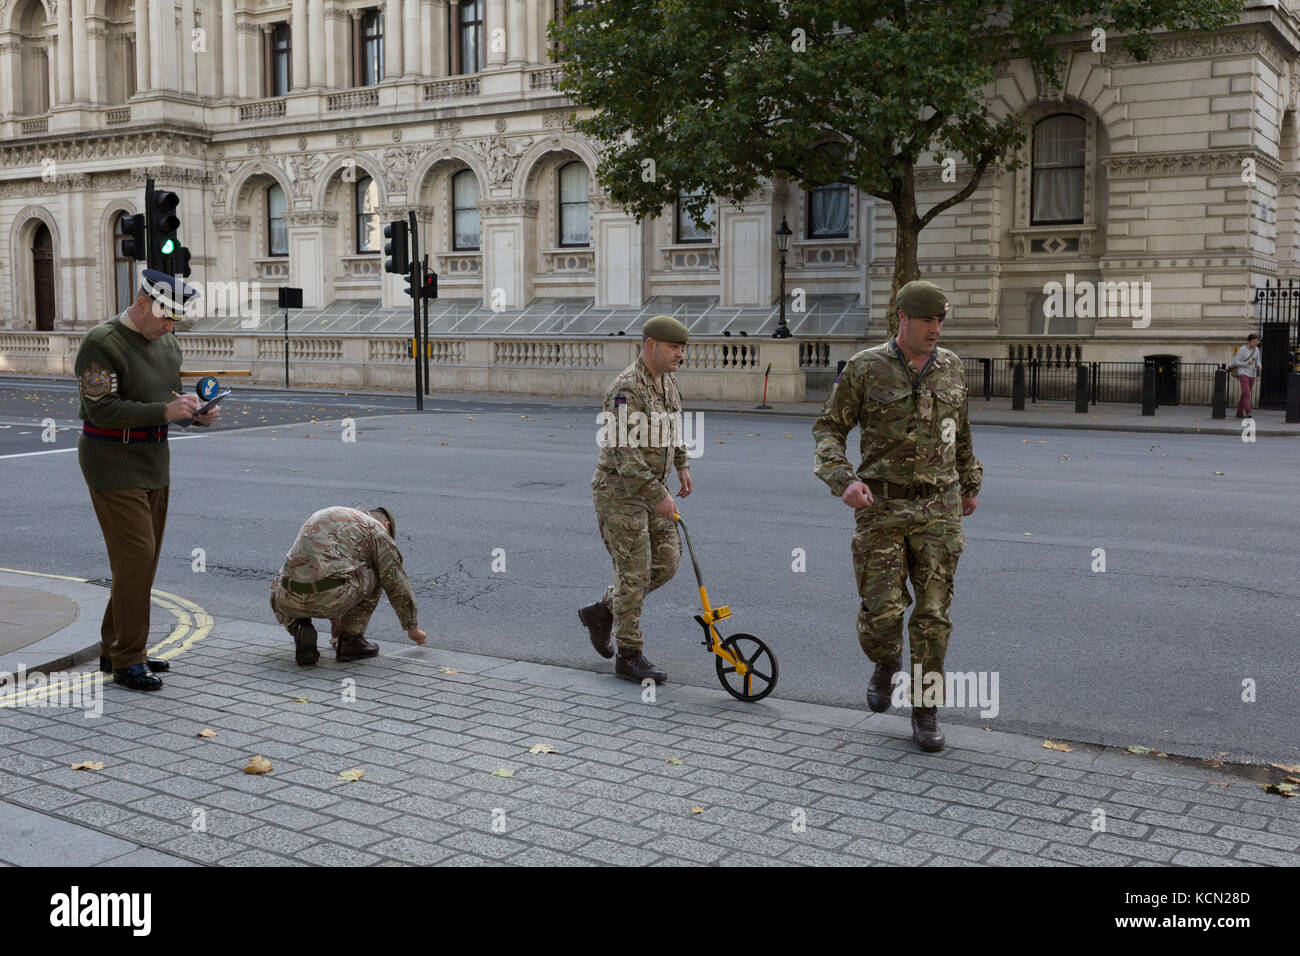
(722,94)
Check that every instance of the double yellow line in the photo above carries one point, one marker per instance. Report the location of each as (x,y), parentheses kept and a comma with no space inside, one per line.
(193,624)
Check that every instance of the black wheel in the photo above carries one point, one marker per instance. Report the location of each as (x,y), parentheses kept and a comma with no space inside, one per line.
(758,682)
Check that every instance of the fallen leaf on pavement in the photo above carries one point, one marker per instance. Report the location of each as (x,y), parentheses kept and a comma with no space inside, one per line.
(206,732)
(258,764)
(1049,745)
(1218,472)
(697,809)
(352,775)
(1039,441)
(448,670)
(1212,763)
(1139,749)
(542,749)
(502,772)
(89,765)
(1281,789)
(301,700)
(675,761)
(1218,783)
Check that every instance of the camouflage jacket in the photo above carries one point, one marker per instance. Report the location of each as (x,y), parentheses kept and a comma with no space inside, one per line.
(915,428)
(640,437)
(338,542)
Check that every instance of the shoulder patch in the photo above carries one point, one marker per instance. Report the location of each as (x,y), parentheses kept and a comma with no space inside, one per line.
(96,382)
(620,399)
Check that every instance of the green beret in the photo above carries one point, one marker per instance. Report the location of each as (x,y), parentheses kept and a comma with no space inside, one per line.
(922,300)
(664,328)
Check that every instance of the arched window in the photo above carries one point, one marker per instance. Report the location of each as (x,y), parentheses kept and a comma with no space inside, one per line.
(367,199)
(371,54)
(43,277)
(575,216)
(1060,145)
(688,230)
(277,230)
(464,216)
(471,36)
(123,266)
(36,43)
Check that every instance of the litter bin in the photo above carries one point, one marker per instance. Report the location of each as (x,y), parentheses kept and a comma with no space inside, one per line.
(1166,367)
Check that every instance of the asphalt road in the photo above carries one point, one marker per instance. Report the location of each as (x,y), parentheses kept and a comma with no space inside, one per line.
(1196,609)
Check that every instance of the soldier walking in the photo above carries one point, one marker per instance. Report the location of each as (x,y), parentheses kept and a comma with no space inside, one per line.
(634,509)
(128,372)
(918,478)
(341,560)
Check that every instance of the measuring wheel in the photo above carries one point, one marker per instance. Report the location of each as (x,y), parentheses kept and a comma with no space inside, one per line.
(760,676)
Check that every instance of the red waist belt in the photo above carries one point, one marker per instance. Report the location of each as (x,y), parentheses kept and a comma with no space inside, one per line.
(150,434)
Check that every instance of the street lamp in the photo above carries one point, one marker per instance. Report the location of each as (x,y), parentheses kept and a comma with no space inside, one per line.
(783,235)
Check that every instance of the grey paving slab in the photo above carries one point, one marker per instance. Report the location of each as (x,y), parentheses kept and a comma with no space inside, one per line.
(32,838)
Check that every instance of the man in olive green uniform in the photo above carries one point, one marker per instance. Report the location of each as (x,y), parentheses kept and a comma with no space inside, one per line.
(128,373)
(640,441)
(336,568)
(918,477)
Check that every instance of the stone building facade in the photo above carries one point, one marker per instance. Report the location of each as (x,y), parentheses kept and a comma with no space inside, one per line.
(294,130)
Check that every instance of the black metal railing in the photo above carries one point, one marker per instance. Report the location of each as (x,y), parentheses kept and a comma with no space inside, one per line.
(1177,382)
(1277,307)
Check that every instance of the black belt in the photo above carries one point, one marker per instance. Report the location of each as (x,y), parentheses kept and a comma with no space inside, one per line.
(312,587)
(149,434)
(887,489)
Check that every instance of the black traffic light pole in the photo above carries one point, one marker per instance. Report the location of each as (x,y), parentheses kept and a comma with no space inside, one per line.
(416,282)
(424,299)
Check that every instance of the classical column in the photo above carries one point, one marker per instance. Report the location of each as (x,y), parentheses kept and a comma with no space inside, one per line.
(531,50)
(358,49)
(317,57)
(426,38)
(65,54)
(189,64)
(453,36)
(164,46)
(300,44)
(229,50)
(437,44)
(80,53)
(53,74)
(248,39)
(517,31)
(392,38)
(142,46)
(495,20)
(268,58)
(411,36)
(96,68)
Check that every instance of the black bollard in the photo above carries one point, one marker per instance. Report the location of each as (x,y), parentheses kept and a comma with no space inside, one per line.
(1293,398)
(988,378)
(1219,405)
(1018,388)
(1149,390)
(1081,390)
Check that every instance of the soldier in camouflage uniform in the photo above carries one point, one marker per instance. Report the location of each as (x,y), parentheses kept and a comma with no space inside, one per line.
(335,569)
(918,477)
(634,510)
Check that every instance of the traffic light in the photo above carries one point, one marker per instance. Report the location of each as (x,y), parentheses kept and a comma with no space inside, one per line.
(397,248)
(430,290)
(181,262)
(406,284)
(133,246)
(163,223)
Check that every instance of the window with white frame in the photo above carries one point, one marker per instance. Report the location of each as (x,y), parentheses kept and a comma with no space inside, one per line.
(575,214)
(464,214)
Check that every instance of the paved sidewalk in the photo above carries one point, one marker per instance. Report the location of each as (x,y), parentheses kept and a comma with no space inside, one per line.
(693,777)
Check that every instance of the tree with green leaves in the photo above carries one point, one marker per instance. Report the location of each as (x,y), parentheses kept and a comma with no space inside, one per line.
(724,94)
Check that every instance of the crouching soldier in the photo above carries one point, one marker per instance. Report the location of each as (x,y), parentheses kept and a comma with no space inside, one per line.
(336,568)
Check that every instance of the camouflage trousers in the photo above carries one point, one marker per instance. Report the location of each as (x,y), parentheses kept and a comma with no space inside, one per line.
(645,550)
(350,604)
(897,540)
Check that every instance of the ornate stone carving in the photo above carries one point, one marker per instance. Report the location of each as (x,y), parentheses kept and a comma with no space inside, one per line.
(334,12)
(225,172)
(347,139)
(557,119)
(302,169)
(96,33)
(10,47)
(398,161)
(1184,164)
(501,157)
(445,128)
(313,217)
(1208,44)
(259,147)
(247,26)
(508,207)
(500,124)
(232,223)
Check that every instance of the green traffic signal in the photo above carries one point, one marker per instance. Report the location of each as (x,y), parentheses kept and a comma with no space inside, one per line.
(168,247)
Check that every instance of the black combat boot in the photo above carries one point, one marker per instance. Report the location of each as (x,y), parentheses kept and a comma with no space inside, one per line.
(632,665)
(354,647)
(599,622)
(304,641)
(880,687)
(925,729)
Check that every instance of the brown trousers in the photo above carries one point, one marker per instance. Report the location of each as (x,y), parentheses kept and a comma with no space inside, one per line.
(132,521)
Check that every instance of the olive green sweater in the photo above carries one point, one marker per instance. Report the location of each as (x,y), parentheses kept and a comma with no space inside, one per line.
(125,381)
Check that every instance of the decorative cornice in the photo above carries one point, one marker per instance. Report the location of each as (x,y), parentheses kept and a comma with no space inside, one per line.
(116,180)
(347,139)
(89,146)
(96,33)
(1232,43)
(247,26)
(1184,164)
(508,207)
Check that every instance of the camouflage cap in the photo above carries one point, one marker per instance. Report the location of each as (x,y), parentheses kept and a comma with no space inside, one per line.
(921,299)
(664,328)
(388,515)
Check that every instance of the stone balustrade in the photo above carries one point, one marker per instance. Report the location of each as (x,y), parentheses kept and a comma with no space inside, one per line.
(714,368)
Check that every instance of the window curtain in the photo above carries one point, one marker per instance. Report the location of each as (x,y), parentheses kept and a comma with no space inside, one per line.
(367,215)
(575,218)
(830,211)
(465,224)
(687,229)
(277,228)
(1059,147)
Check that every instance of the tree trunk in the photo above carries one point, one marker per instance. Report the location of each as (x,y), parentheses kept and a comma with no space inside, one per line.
(905,267)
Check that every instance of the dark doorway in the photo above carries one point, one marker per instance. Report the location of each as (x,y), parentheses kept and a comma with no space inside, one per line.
(43,278)
(1274,348)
